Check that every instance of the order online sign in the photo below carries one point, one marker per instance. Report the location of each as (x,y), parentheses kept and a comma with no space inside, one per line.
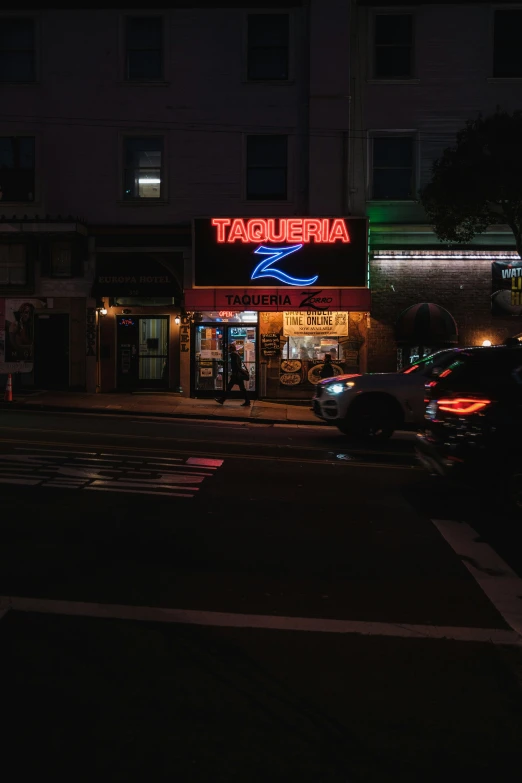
(280,252)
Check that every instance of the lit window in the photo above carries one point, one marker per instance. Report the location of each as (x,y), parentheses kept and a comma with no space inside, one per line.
(17,168)
(507,60)
(13,265)
(17,60)
(267,163)
(393,168)
(144,48)
(143,167)
(268,44)
(393,46)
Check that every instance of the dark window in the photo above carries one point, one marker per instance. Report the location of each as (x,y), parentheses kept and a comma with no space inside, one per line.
(17,60)
(393,46)
(143,176)
(268,43)
(507,59)
(61,259)
(488,370)
(393,169)
(144,43)
(13,265)
(267,160)
(17,168)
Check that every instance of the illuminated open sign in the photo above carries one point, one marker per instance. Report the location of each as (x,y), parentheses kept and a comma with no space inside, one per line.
(127,322)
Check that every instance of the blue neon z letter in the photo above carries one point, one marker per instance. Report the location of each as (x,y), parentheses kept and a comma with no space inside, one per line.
(264,268)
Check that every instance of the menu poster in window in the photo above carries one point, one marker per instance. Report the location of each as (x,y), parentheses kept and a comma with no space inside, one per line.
(270,344)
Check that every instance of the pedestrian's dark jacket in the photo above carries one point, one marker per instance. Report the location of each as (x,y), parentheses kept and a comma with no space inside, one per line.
(327,371)
(235,363)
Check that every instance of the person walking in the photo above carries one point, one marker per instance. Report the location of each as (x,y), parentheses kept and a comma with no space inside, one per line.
(236,377)
(327,370)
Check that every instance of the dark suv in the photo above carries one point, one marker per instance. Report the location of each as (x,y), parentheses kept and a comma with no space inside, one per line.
(473,420)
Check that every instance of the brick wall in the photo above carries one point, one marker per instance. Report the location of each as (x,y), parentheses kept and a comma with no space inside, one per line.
(461,286)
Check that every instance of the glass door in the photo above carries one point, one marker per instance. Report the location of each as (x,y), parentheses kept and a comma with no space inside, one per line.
(212,365)
(153,352)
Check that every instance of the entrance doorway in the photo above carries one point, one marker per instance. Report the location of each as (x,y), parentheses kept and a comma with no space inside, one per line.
(51,351)
(143,347)
(211,361)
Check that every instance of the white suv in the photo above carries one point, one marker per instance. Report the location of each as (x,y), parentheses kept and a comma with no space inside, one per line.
(379,403)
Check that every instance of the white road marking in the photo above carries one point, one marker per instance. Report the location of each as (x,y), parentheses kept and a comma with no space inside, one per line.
(498,581)
(68,469)
(269,622)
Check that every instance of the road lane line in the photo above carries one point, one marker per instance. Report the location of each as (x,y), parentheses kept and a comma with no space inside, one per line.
(235,455)
(268,622)
(497,580)
(114,488)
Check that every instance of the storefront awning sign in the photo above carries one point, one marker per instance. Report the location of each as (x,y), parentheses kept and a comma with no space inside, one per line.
(278,299)
(326,324)
(136,275)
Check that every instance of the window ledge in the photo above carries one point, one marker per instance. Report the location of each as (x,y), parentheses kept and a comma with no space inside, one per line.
(392,201)
(146,202)
(504,79)
(270,82)
(145,83)
(393,81)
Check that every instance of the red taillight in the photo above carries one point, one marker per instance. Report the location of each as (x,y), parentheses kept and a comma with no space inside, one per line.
(445,373)
(462,405)
(410,369)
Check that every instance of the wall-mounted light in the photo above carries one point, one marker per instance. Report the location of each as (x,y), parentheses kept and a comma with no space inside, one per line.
(100,306)
(177,320)
(103,311)
(486,343)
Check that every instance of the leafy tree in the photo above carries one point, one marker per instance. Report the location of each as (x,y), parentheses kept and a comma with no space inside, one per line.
(478,182)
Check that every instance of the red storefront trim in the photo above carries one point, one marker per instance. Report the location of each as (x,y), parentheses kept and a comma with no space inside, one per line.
(278,299)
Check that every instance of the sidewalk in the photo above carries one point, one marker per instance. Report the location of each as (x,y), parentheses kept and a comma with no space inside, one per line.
(168,405)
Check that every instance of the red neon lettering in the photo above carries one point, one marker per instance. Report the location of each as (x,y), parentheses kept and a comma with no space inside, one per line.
(294,230)
(220,224)
(238,231)
(226,313)
(338,231)
(276,236)
(312,228)
(279,230)
(256,230)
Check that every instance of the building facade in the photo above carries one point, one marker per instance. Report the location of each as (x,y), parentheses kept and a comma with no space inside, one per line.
(420,70)
(178,113)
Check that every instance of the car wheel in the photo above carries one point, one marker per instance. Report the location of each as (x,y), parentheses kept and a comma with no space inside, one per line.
(376,419)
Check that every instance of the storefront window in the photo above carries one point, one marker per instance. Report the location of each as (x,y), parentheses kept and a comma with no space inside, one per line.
(311,347)
(229,316)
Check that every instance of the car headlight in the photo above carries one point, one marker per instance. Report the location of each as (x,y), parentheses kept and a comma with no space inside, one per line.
(337,388)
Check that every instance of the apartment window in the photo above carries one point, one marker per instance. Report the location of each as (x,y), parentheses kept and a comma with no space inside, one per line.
(393,46)
(393,167)
(17,58)
(17,168)
(507,57)
(61,259)
(143,167)
(268,47)
(267,168)
(13,265)
(144,48)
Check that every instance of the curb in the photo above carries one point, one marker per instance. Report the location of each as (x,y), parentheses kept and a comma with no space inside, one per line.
(20,406)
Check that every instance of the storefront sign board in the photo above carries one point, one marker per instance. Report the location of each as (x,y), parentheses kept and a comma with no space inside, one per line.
(278,299)
(506,299)
(327,324)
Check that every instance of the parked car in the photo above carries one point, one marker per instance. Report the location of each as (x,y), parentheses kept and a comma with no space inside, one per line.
(376,404)
(473,421)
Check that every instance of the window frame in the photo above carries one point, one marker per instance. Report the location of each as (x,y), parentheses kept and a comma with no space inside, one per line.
(35,18)
(164,50)
(52,272)
(291,45)
(492,77)
(399,133)
(246,167)
(35,201)
(392,11)
(9,287)
(144,134)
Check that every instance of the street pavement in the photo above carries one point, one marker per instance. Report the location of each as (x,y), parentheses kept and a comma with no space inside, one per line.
(236,601)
